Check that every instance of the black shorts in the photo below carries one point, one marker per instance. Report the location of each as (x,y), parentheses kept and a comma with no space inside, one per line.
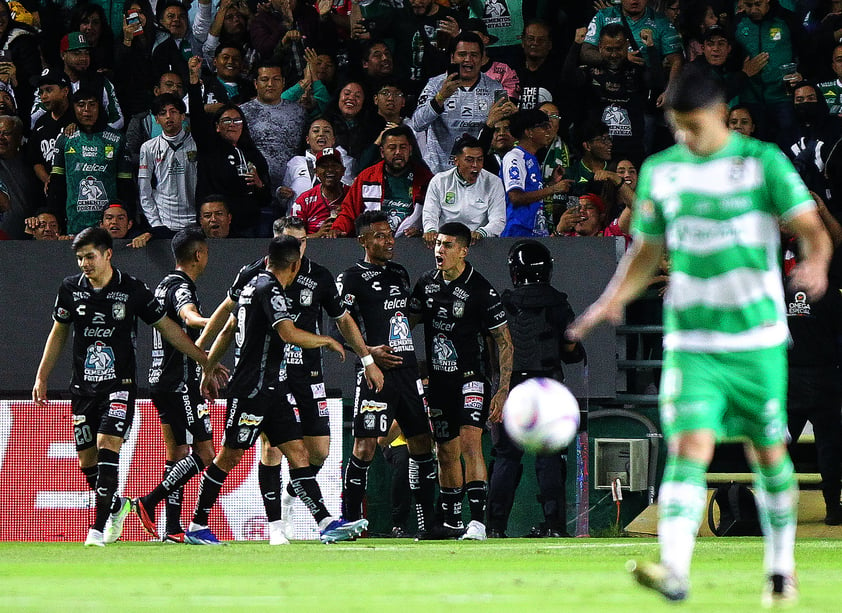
(272,414)
(110,413)
(308,388)
(401,399)
(456,402)
(184,412)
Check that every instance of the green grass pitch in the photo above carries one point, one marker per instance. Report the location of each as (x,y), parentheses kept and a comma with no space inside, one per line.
(511,575)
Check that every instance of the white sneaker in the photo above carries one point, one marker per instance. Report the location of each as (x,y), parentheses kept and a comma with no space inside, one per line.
(475,531)
(276,533)
(114,526)
(94,539)
(287,504)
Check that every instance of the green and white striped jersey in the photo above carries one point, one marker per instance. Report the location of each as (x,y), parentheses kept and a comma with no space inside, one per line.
(719,217)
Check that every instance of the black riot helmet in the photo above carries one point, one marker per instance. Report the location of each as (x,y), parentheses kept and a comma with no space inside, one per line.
(530,262)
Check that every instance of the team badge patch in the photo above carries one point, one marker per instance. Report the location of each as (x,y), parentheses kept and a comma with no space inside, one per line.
(306,297)
(458,308)
(118,311)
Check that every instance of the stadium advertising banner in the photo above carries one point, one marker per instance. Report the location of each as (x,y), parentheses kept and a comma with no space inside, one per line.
(45,498)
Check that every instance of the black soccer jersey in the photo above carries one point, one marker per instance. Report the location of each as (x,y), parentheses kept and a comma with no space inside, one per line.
(244,275)
(260,350)
(104,329)
(456,317)
(312,290)
(171,370)
(378,300)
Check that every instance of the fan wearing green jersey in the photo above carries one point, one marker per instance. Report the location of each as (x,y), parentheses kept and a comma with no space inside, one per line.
(714,202)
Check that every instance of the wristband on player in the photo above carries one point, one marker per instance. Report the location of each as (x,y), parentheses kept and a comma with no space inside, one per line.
(367,360)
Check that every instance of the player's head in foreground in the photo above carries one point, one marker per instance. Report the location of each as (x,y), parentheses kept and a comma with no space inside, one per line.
(375,235)
(696,110)
(291,226)
(284,258)
(451,248)
(93,248)
(190,249)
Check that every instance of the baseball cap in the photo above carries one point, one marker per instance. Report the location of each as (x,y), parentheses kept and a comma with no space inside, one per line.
(593,199)
(475,24)
(716,31)
(327,154)
(73,41)
(52,76)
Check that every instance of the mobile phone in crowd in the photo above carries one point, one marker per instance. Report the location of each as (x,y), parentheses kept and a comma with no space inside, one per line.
(134,18)
(500,94)
(453,68)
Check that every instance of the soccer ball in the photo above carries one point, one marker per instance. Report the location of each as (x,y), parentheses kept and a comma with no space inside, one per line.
(541,415)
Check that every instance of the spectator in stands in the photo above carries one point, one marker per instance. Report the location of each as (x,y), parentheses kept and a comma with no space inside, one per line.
(116,219)
(23,195)
(389,101)
(718,55)
(229,162)
(377,66)
(692,23)
(309,91)
(466,193)
(134,75)
(54,93)
(614,92)
(90,167)
(75,53)
(277,126)
(832,90)
(537,72)
(43,226)
(226,84)
(22,60)
(320,205)
(230,27)
(167,171)
(768,28)
(300,172)
(628,172)
(396,185)
(556,155)
(505,20)
(144,126)
(453,104)
(89,19)
(499,71)
(522,179)
(815,133)
(591,219)
(351,119)
(175,43)
(496,137)
(215,217)
(421,31)
(740,120)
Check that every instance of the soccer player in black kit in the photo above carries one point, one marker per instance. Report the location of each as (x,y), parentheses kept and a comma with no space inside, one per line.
(460,308)
(312,291)
(102,306)
(258,399)
(376,291)
(174,382)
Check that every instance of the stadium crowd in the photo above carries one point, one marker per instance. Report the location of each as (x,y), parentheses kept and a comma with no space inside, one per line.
(516,118)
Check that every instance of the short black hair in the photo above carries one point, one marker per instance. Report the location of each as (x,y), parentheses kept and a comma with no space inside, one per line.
(85,93)
(458,230)
(290,221)
(163,6)
(466,37)
(186,241)
(694,88)
(215,198)
(267,64)
(465,141)
(163,100)
(613,30)
(368,219)
(95,236)
(591,129)
(284,252)
(229,45)
(525,119)
(402,130)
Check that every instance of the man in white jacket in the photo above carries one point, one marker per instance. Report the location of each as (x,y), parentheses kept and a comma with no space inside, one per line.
(466,193)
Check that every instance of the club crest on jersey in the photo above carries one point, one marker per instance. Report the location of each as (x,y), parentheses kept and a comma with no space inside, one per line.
(458,308)
(118,311)
(306,297)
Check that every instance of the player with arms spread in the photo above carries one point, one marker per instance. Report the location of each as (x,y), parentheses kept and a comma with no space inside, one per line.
(460,309)
(376,291)
(102,306)
(714,201)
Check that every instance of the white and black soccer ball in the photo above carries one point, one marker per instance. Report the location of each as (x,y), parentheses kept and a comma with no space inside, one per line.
(541,415)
